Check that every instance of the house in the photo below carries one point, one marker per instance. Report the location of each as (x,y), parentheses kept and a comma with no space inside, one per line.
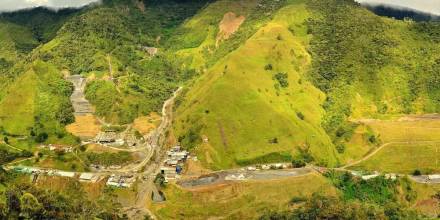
(125,181)
(64,174)
(106,137)
(368,177)
(434,177)
(58,148)
(88,177)
(168,172)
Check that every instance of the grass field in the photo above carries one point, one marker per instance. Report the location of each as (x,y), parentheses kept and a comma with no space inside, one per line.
(407,130)
(405,158)
(18,107)
(246,200)
(240,107)
(425,202)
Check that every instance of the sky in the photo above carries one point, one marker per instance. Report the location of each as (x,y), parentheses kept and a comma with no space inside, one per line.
(12,5)
(430,6)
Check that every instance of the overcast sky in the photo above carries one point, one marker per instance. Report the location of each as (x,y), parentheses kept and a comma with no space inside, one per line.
(431,6)
(11,5)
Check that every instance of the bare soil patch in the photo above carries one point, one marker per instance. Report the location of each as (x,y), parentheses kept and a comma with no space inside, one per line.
(146,124)
(429,207)
(195,169)
(229,25)
(85,126)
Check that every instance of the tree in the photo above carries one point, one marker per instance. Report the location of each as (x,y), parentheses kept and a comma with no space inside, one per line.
(42,137)
(417,172)
(298,163)
(30,206)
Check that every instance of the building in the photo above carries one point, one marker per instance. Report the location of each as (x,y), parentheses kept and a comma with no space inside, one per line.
(106,137)
(125,181)
(434,177)
(169,173)
(88,177)
(58,148)
(368,177)
(64,174)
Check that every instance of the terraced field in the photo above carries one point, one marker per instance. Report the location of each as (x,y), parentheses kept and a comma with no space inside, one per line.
(409,143)
(405,158)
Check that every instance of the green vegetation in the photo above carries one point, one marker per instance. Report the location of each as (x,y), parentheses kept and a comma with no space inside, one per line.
(323,207)
(275,157)
(423,157)
(108,159)
(23,200)
(244,200)
(363,87)
(244,117)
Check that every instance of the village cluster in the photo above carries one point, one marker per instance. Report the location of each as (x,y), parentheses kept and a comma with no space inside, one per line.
(115,180)
(114,139)
(172,167)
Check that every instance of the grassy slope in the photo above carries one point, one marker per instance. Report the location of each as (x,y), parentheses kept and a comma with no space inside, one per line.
(370,67)
(247,200)
(246,111)
(404,158)
(198,35)
(18,107)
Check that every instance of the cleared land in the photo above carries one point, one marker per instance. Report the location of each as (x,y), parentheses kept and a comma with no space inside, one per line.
(85,126)
(146,124)
(409,128)
(404,158)
(410,143)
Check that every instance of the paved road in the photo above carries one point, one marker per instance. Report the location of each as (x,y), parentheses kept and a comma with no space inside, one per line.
(242,175)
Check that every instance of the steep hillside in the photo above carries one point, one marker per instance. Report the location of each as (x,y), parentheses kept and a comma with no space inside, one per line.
(370,66)
(295,87)
(104,43)
(255,104)
(42,22)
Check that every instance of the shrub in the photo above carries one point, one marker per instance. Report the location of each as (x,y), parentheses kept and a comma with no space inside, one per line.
(273,141)
(42,137)
(340,148)
(268,67)
(298,163)
(300,115)
(417,172)
(297,199)
(282,78)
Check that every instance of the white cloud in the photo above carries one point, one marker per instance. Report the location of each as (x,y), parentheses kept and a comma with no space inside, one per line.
(12,5)
(430,6)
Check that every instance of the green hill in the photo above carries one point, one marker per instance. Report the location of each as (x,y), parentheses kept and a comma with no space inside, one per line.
(255,105)
(106,49)
(265,81)
(339,62)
